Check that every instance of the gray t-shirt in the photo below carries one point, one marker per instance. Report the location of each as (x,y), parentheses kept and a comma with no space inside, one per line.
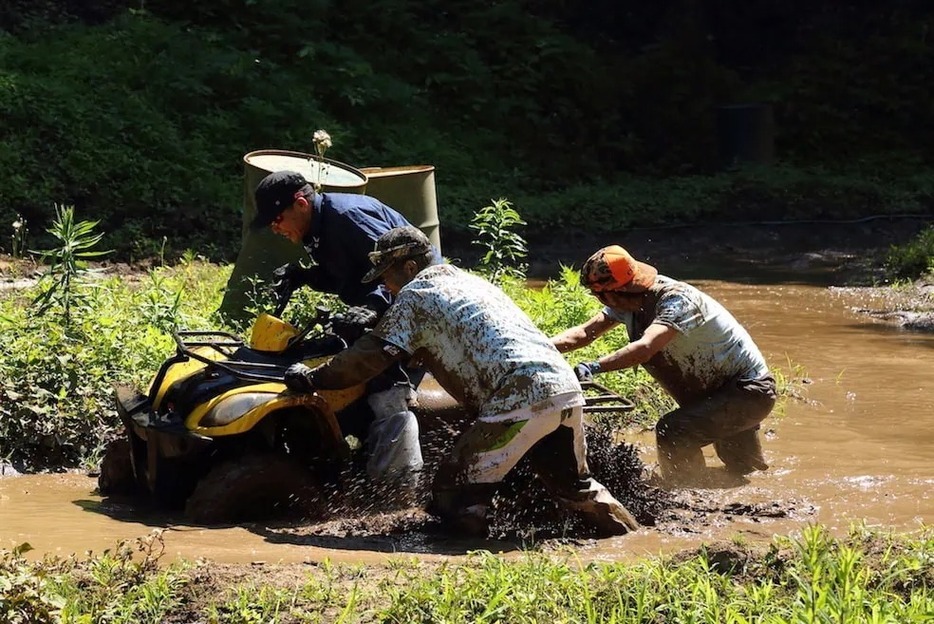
(712,347)
(477,343)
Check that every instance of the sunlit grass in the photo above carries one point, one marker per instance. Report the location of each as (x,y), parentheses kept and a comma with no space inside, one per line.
(868,576)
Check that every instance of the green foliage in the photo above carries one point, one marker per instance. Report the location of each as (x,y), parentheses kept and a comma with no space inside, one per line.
(142,124)
(505,248)
(56,398)
(125,585)
(141,117)
(823,580)
(114,111)
(752,194)
(914,259)
(26,592)
(59,287)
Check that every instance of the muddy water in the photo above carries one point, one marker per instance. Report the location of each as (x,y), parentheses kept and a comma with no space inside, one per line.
(859,446)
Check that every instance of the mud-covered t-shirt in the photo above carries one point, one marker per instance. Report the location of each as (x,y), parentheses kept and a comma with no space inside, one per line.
(477,343)
(711,349)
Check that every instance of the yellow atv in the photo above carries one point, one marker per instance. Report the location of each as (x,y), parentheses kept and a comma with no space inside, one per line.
(218,433)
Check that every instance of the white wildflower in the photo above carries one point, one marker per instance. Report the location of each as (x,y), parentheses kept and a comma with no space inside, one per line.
(322,141)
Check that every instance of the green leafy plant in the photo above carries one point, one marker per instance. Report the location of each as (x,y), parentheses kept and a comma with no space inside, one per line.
(495,226)
(68,262)
(913,259)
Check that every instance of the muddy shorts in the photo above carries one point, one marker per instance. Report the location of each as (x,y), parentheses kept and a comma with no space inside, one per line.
(485,453)
(729,419)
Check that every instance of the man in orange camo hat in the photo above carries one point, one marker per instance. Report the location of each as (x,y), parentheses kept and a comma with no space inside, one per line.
(694,348)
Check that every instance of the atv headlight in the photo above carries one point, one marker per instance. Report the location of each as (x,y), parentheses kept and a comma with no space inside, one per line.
(234,407)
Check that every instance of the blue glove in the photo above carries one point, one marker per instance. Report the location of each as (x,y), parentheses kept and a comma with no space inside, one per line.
(586,370)
(300,378)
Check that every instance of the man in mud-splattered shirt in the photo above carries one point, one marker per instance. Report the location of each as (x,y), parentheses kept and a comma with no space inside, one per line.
(489,356)
(697,352)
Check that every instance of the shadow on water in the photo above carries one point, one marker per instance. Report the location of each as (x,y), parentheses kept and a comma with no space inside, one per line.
(423,540)
(409,531)
(910,337)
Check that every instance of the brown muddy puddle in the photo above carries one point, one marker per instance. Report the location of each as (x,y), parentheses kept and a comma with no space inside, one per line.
(858,447)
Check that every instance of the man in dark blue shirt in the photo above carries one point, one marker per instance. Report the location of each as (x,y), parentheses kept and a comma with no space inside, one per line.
(339,230)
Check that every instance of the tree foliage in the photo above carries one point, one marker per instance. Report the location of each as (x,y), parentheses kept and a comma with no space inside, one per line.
(138,112)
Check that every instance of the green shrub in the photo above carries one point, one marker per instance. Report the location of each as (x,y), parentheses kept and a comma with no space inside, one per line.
(56,403)
(914,259)
(125,584)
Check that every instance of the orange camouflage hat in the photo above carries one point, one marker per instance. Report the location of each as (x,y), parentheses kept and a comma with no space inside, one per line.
(612,268)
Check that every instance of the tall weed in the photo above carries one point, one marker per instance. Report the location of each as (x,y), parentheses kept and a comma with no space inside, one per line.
(60,286)
(496,227)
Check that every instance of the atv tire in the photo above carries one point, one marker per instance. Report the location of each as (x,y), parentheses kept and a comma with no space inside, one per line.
(116,477)
(252,488)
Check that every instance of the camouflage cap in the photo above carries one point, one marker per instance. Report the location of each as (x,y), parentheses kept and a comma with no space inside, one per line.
(399,243)
(612,268)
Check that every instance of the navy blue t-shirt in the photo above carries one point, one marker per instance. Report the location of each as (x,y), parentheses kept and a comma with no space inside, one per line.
(344,229)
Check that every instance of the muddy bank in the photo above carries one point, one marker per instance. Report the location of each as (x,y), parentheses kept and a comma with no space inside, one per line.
(909,306)
(841,253)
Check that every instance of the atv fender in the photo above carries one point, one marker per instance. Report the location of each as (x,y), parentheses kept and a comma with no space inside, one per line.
(158,447)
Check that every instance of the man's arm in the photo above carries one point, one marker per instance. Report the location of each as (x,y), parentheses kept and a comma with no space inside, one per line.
(654,339)
(365,359)
(583,334)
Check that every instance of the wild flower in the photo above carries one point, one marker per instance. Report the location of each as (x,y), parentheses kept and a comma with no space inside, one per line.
(322,141)
(19,236)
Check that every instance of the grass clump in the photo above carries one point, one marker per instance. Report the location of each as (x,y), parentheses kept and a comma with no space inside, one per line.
(123,585)
(865,578)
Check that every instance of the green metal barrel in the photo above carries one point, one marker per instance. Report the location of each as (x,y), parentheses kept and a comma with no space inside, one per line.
(410,190)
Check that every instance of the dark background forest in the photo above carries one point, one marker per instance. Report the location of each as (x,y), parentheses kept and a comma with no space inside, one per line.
(599,114)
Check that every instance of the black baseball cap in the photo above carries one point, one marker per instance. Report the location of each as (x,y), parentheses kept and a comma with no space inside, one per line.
(399,243)
(275,193)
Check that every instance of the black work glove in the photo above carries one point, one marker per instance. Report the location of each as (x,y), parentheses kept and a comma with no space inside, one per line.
(300,378)
(287,278)
(586,370)
(353,322)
